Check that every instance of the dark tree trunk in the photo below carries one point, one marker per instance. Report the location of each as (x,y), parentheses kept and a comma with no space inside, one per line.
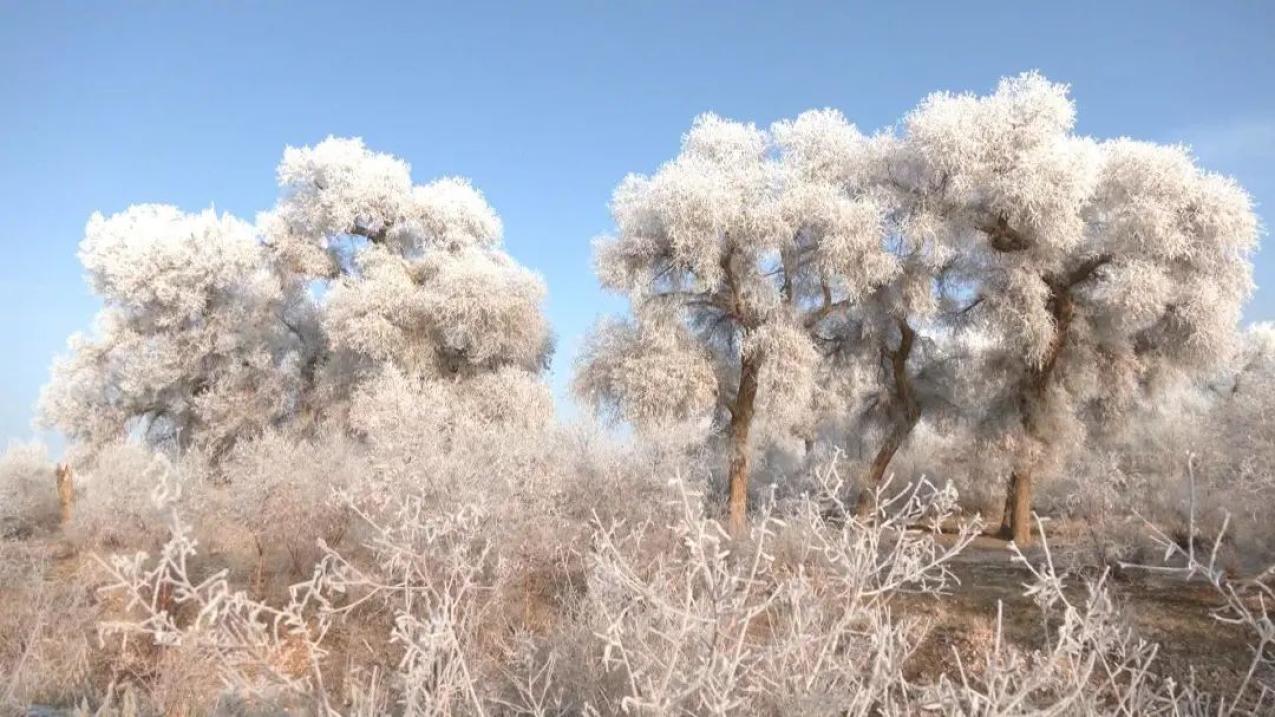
(741,419)
(1016,521)
(905,420)
(876,472)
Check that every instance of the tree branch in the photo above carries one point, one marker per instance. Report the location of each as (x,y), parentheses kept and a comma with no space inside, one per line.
(1083,272)
(1005,238)
(819,314)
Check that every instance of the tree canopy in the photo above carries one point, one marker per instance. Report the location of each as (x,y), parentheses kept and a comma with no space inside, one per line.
(1064,276)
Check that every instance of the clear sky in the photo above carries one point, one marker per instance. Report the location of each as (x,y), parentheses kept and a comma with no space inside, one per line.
(545,105)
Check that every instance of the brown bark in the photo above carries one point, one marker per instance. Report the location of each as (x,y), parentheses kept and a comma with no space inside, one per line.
(876,472)
(66,491)
(904,422)
(1016,520)
(1016,523)
(1017,516)
(741,419)
(1003,237)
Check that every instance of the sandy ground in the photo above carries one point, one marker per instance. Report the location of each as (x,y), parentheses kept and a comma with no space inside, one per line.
(1165,610)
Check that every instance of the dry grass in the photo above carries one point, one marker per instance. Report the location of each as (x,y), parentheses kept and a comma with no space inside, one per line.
(453,598)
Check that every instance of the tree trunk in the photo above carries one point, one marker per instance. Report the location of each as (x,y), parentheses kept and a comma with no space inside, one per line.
(741,419)
(903,397)
(876,472)
(1016,521)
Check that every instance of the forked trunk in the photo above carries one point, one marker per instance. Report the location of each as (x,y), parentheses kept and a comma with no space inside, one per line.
(1016,521)
(741,419)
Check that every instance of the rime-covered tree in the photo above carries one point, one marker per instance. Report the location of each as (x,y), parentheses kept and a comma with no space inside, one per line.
(189,348)
(416,279)
(214,329)
(892,348)
(1099,269)
(732,255)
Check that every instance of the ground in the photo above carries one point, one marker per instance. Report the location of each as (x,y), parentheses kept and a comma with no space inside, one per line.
(1176,614)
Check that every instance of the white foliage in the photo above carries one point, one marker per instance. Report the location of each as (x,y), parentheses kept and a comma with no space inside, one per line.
(153,259)
(189,346)
(282,490)
(453,215)
(1181,239)
(28,495)
(339,188)
(786,383)
(450,438)
(1007,155)
(649,374)
(420,282)
(214,330)
(486,309)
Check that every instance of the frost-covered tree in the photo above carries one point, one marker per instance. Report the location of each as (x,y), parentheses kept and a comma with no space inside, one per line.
(890,354)
(984,258)
(214,329)
(189,348)
(732,255)
(1098,269)
(415,277)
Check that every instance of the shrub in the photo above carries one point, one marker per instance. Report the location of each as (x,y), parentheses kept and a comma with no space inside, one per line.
(28,493)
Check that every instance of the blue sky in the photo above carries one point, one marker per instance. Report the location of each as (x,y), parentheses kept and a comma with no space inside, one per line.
(546,106)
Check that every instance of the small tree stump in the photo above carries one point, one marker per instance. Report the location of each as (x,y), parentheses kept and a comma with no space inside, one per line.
(66,491)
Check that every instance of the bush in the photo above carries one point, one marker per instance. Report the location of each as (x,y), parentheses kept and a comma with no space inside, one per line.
(123,489)
(28,490)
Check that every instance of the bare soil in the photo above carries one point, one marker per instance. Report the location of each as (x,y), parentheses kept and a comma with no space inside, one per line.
(1176,614)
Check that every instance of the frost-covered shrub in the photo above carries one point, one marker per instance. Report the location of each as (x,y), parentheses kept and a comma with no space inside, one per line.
(1201,454)
(283,490)
(454,437)
(47,651)
(597,579)
(1236,450)
(28,491)
(688,621)
(123,491)
(436,588)
(1092,661)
